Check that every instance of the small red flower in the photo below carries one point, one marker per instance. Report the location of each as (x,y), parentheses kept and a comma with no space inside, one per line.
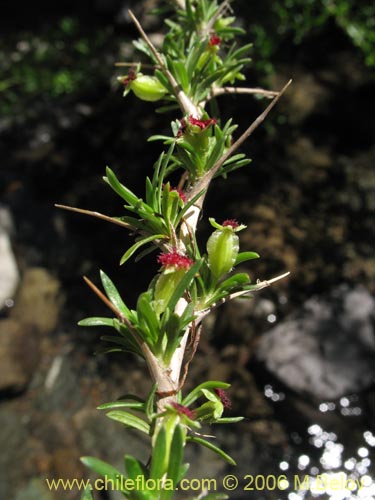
(214,40)
(224,398)
(183,410)
(132,75)
(202,124)
(230,222)
(180,192)
(174,259)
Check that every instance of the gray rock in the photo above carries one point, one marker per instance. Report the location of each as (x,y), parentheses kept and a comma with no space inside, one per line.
(36,489)
(38,301)
(327,349)
(9,275)
(19,355)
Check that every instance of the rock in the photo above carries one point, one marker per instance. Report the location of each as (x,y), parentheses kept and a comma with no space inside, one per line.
(38,301)
(13,461)
(36,489)
(327,349)
(8,265)
(305,96)
(19,354)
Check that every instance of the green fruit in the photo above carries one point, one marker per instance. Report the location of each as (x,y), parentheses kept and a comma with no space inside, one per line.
(148,88)
(222,248)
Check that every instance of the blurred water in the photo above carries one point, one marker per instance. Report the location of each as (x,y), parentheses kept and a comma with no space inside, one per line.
(326,464)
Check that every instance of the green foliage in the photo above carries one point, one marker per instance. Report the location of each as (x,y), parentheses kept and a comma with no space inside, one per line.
(58,61)
(298,19)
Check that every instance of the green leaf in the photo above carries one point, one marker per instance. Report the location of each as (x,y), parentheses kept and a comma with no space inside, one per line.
(96,321)
(188,205)
(147,314)
(184,284)
(139,244)
(120,189)
(176,454)
(159,455)
(196,393)
(150,401)
(130,420)
(150,194)
(174,331)
(134,467)
(213,448)
(102,468)
(211,396)
(234,281)
(228,420)
(166,138)
(134,405)
(181,74)
(244,256)
(113,294)
(87,494)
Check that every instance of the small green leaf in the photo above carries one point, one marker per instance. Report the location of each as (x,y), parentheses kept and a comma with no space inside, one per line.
(140,243)
(159,455)
(244,256)
(129,420)
(196,393)
(187,207)
(176,454)
(213,448)
(134,467)
(120,189)
(174,331)
(102,468)
(135,405)
(96,321)
(150,194)
(150,401)
(87,494)
(166,138)
(211,396)
(236,280)
(148,315)
(181,74)
(184,284)
(113,294)
(228,420)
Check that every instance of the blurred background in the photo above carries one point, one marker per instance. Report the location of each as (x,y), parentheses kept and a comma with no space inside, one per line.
(300,355)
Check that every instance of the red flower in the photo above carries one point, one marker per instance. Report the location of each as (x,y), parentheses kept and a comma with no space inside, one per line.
(132,75)
(214,40)
(224,398)
(202,124)
(183,410)
(180,192)
(174,259)
(230,222)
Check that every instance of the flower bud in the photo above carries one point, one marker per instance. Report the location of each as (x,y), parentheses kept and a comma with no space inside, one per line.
(148,88)
(174,268)
(222,247)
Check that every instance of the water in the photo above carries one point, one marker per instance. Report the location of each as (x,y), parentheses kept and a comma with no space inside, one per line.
(332,458)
